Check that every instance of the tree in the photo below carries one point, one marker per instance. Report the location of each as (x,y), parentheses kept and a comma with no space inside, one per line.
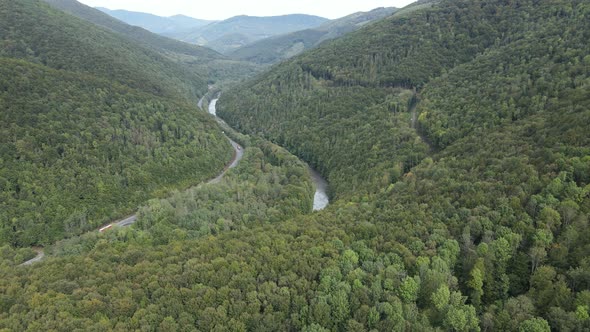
(349,261)
(408,290)
(583,313)
(315,328)
(549,218)
(373,318)
(537,255)
(320,312)
(534,325)
(168,324)
(476,283)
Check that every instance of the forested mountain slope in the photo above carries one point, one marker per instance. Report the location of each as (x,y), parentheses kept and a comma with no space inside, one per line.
(471,215)
(200,61)
(35,33)
(371,67)
(138,34)
(91,125)
(278,48)
(502,100)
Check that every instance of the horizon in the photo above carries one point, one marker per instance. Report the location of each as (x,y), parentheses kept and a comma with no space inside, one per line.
(218,11)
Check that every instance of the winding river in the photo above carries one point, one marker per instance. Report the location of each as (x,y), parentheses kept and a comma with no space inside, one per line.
(320,198)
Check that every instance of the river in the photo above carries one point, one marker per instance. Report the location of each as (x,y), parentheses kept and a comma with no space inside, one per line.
(320,198)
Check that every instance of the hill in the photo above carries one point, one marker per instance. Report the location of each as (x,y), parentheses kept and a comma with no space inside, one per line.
(278,48)
(454,118)
(80,54)
(154,23)
(227,35)
(91,125)
(201,61)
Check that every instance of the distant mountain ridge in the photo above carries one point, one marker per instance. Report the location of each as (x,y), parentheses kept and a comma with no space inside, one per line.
(228,35)
(136,33)
(274,49)
(155,23)
(222,36)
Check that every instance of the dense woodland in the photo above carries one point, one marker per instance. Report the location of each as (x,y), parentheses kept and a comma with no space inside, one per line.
(360,151)
(82,144)
(501,100)
(201,62)
(455,140)
(268,185)
(78,152)
(31,30)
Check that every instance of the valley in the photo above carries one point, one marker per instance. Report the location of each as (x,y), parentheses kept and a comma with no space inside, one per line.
(320,199)
(418,168)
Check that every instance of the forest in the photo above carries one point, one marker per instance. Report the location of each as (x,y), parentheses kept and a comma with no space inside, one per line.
(455,140)
(500,146)
(268,185)
(70,165)
(202,63)
(33,31)
(81,145)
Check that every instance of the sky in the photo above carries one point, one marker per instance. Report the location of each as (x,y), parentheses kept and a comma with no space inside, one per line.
(222,9)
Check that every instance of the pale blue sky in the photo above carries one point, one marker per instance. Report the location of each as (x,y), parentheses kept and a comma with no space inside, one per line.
(222,9)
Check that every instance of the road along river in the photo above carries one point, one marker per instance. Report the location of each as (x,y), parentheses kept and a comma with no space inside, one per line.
(320,199)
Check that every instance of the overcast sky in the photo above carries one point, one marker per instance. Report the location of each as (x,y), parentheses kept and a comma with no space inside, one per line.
(222,9)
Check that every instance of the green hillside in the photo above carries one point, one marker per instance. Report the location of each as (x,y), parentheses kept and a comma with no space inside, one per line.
(502,107)
(55,40)
(455,139)
(329,95)
(91,125)
(132,32)
(275,49)
(201,62)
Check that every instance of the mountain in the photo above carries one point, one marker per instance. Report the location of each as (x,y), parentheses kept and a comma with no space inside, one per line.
(455,139)
(98,61)
(154,23)
(278,48)
(460,128)
(91,125)
(227,35)
(193,58)
(338,27)
(187,22)
(222,36)
(141,35)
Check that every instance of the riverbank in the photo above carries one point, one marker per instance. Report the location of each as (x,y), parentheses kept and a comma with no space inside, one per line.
(320,199)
